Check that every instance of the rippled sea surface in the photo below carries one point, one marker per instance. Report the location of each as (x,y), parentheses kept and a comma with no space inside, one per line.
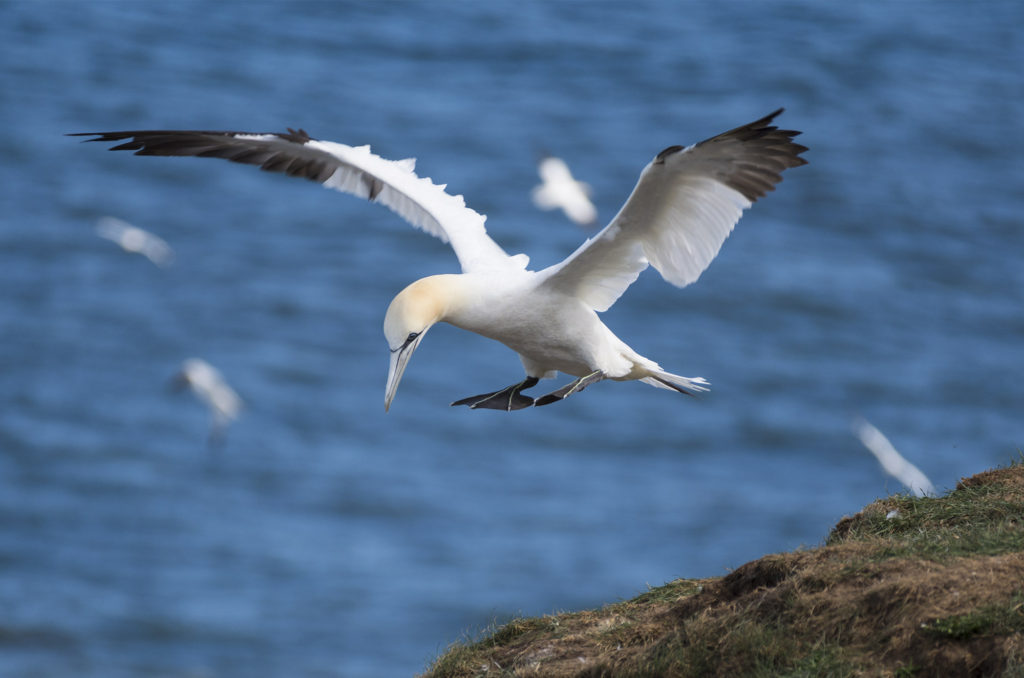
(327,538)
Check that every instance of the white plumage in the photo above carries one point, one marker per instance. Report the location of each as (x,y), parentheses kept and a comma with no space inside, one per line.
(134,239)
(683,207)
(209,386)
(891,461)
(560,190)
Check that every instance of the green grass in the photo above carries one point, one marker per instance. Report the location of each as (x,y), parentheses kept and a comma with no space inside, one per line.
(978,520)
(746,650)
(997,619)
(464,657)
(520,626)
(669,592)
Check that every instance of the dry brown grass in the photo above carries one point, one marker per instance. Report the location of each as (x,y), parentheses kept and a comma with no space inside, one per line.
(936,591)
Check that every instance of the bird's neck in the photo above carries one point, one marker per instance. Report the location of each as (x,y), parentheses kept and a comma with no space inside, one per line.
(439,297)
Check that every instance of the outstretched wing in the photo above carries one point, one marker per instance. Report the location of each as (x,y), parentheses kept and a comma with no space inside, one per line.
(349,169)
(681,211)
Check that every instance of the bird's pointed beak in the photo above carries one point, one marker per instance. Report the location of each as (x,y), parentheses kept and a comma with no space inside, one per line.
(399,360)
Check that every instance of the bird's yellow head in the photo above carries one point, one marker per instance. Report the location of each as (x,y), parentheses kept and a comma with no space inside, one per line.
(410,315)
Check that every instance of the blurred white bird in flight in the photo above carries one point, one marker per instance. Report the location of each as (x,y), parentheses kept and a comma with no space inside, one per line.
(560,190)
(891,461)
(683,207)
(209,386)
(134,239)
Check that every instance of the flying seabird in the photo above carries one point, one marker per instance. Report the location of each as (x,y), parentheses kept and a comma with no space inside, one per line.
(134,239)
(209,386)
(560,190)
(891,461)
(683,207)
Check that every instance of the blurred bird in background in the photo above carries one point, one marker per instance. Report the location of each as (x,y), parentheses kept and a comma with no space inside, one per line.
(891,460)
(134,239)
(209,386)
(560,190)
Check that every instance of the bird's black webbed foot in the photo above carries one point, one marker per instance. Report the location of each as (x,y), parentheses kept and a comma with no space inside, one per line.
(569,389)
(507,399)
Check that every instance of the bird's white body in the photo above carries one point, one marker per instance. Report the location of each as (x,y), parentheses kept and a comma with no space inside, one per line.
(560,190)
(550,330)
(682,209)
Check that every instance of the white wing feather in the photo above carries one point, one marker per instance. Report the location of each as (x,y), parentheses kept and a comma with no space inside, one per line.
(676,222)
(349,169)
(682,209)
(419,201)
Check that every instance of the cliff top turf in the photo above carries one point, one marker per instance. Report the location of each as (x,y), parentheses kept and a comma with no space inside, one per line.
(907,587)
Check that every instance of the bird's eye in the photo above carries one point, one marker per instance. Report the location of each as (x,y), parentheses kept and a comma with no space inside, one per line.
(412,336)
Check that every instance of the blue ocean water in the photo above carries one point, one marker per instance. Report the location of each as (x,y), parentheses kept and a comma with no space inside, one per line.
(327,538)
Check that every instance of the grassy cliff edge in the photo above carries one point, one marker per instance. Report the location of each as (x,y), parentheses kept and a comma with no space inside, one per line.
(906,587)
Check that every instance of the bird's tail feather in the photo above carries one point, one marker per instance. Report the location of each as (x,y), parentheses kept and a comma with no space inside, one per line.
(687,385)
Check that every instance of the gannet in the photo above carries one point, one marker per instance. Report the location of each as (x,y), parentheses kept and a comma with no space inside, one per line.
(560,190)
(209,386)
(681,210)
(891,461)
(134,239)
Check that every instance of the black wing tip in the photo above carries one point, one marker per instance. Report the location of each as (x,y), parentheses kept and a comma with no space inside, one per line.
(298,136)
(765,122)
(762,126)
(250,148)
(660,158)
(99,136)
(752,130)
(763,129)
(768,152)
